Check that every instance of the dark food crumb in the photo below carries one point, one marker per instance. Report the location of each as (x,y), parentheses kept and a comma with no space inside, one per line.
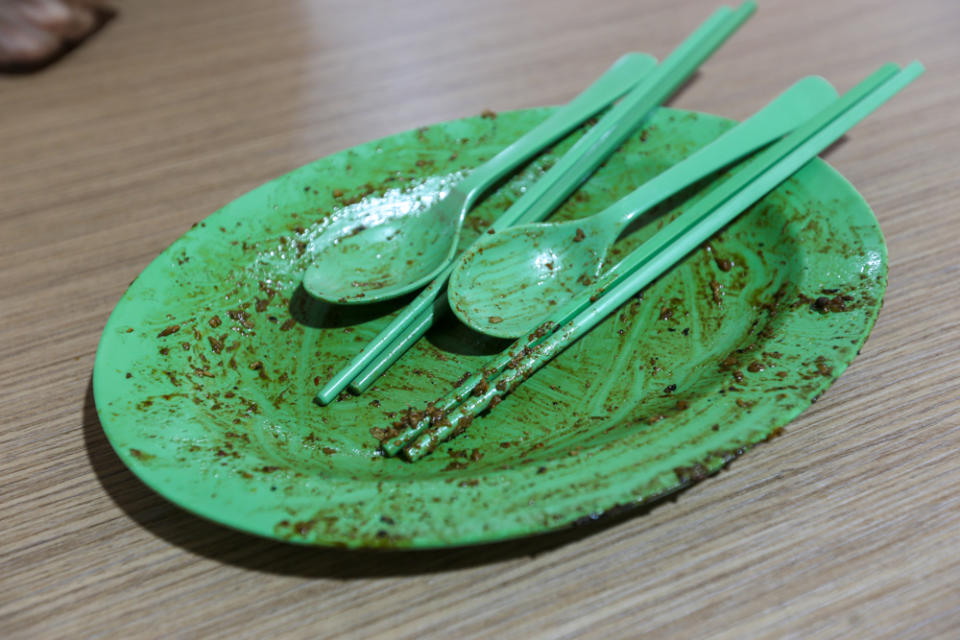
(776,433)
(717,290)
(463,424)
(729,362)
(540,331)
(823,304)
(241,317)
(537,446)
(382,434)
(822,367)
(169,331)
(410,419)
(692,473)
(481,388)
(724,264)
(579,236)
(215,344)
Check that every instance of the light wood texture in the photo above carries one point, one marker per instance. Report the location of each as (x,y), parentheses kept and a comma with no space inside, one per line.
(848,525)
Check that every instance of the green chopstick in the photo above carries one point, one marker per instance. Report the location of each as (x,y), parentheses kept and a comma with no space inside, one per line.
(549,191)
(673,242)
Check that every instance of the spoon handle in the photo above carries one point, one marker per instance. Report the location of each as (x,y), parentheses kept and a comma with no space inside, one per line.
(624,73)
(804,99)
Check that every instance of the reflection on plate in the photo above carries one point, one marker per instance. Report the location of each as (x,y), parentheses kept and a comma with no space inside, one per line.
(207,368)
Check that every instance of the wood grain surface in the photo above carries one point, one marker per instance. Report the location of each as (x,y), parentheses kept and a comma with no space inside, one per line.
(846,526)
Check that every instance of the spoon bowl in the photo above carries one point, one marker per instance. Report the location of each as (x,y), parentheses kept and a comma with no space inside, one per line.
(557,261)
(386,249)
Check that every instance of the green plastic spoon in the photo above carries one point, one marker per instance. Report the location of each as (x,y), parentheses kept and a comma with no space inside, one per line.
(505,282)
(377,253)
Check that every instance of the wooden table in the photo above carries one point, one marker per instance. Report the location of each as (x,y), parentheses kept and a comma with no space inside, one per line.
(847,525)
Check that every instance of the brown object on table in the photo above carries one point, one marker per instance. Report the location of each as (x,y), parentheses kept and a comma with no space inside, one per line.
(847,524)
(30,21)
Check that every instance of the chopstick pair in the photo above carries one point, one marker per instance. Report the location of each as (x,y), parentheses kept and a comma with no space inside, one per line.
(421,432)
(547,193)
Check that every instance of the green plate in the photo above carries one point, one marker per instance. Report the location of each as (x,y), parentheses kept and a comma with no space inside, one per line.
(206,371)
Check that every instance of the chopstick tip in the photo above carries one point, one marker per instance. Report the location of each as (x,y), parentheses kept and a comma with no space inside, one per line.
(746,9)
(915,67)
